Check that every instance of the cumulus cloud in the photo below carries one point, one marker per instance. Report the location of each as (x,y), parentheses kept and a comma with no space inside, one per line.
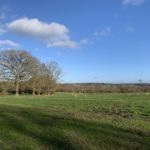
(53,34)
(8,44)
(132,2)
(104,32)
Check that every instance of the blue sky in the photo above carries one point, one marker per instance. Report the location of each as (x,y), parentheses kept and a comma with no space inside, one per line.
(92,40)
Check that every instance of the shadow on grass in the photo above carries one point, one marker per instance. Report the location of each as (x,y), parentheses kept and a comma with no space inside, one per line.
(62,131)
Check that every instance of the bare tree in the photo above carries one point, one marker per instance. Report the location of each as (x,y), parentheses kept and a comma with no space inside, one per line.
(54,69)
(54,73)
(41,79)
(35,73)
(15,65)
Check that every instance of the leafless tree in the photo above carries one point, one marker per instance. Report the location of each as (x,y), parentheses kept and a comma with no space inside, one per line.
(42,80)
(54,73)
(15,65)
(35,73)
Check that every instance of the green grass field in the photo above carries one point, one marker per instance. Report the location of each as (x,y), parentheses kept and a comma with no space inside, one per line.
(75,122)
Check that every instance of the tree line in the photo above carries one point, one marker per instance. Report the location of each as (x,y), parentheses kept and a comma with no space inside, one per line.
(22,73)
(104,88)
(18,68)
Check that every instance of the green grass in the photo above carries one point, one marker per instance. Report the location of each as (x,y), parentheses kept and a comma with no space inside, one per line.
(75,122)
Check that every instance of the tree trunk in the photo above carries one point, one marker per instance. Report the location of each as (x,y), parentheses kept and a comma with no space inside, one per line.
(33,91)
(17,87)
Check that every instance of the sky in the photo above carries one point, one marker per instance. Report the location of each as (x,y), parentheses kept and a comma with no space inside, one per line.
(92,40)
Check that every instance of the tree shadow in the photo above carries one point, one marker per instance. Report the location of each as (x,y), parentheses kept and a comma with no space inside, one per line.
(49,129)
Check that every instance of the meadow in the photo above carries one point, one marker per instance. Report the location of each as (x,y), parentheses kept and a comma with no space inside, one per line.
(66,121)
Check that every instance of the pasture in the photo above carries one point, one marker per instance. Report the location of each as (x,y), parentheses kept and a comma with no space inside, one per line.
(67,121)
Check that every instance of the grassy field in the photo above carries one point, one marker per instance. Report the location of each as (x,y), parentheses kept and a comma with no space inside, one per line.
(75,122)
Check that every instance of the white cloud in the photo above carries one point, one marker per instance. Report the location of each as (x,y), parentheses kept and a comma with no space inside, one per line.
(132,2)
(106,31)
(53,34)
(8,44)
